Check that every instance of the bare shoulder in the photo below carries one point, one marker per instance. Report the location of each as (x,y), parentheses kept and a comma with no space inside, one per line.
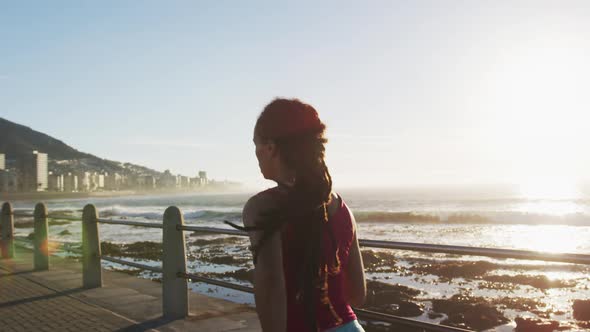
(263,201)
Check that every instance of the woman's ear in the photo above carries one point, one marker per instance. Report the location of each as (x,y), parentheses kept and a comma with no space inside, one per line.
(273,150)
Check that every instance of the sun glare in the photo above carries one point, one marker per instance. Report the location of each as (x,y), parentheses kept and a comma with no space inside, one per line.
(553,238)
(548,188)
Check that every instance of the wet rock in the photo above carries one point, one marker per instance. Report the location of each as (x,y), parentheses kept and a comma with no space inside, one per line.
(65,232)
(373,259)
(535,325)
(133,272)
(497,286)
(379,293)
(225,259)
(434,315)
(218,241)
(518,303)
(541,282)
(400,308)
(452,269)
(392,299)
(31,236)
(143,249)
(240,274)
(465,311)
(582,310)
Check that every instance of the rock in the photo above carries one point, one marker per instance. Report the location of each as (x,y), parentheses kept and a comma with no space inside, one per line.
(452,269)
(534,325)
(582,310)
(380,293)
(469,312)
(240,274)
(65,232)
(225,259)
(143,249)
(435,315)
(541,282)
(373,259)
(401,308)
(31,236)
(219,241)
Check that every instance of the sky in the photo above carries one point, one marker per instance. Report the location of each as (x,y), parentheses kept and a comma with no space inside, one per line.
(414,93)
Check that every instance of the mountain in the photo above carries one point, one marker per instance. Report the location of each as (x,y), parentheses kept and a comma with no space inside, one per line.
(17,140)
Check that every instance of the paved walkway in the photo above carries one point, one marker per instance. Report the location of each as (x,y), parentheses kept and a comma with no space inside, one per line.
(54,300)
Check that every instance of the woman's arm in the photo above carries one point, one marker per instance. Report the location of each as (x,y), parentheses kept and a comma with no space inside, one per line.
(356,287)
(269,283)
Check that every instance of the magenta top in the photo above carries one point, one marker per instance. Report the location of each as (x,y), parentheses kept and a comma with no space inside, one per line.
(340,311)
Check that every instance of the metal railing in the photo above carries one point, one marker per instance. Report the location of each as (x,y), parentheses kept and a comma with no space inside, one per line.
(174,270)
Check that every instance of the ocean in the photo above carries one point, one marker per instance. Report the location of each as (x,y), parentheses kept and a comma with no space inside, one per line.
(494,220)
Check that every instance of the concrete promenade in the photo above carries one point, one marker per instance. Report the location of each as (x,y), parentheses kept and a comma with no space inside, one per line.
(54,300)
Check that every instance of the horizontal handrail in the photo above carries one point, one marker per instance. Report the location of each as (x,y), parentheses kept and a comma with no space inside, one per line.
(130,223)
(476,251)
(54,216)
(50,216)
(196,277)
(22,214)
(212,230)
(440,248)
(133,264)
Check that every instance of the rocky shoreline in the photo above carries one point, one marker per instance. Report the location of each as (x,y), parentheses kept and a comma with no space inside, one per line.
(463,309)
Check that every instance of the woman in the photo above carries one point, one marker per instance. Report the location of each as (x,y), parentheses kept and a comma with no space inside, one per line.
(308,266)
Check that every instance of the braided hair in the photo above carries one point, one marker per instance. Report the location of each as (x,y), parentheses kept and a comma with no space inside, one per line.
(298,133)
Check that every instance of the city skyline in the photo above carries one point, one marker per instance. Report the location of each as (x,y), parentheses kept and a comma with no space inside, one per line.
(412,94)
(31,172)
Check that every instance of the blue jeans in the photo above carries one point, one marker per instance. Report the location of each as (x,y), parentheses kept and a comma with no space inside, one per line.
(352,326)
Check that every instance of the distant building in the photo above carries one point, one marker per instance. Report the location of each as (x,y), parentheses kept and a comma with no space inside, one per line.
(113,181)
(203,176)
(33,170)
(129,181)
(167,180)
(70,182)
(146,182)
(84,181)
(8,181)
(183,181)
(2,161)
(55,182)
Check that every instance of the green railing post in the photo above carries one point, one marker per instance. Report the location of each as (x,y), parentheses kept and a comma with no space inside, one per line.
(91,270)
(7,225)
(174,288)
(40,242)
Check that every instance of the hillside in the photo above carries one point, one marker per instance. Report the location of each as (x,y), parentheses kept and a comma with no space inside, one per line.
(17,140)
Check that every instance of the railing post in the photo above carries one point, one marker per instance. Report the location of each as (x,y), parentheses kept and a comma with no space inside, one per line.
(91,271)
(174,288)
(41,244)
(7,224)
